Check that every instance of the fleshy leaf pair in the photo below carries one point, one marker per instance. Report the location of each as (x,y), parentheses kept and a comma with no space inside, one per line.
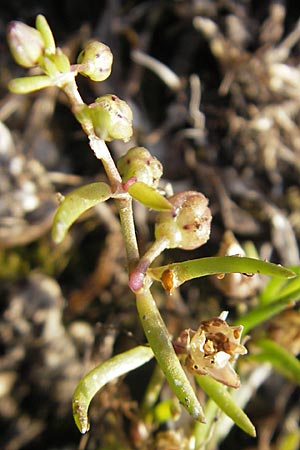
(85,197)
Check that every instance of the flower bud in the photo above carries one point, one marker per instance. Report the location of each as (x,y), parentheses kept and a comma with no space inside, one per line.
(187,225)
(26,44)
(138,163)
(111,118)
(95,61)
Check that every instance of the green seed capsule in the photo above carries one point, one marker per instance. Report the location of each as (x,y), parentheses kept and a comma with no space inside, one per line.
(187,225)
(112,118)
(140,164)
(25,43)
(95,61)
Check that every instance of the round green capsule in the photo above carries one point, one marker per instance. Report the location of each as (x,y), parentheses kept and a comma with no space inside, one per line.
(111,118)
(187,225)
(140,164)
(95,61)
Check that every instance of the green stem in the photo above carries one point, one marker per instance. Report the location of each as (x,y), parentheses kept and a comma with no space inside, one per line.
(137,276)
(71,91)
(128,231)
(102,152)
(160,342)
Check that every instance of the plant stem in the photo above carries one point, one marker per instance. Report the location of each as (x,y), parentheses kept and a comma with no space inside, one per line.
(137,276)
(71,91)
(128,231)
(102,152)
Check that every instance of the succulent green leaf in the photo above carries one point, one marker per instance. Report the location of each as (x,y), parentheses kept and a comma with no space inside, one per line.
(290,440)
(272,290)
(221,396)
(75,204)
(196,268)
(92,382)
(43,27)
(279,288)
(25,85)
(280,358)
(160,342)
(265,312)
(149,197)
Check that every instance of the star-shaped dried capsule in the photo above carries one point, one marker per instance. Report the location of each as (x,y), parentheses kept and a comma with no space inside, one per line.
(212,350)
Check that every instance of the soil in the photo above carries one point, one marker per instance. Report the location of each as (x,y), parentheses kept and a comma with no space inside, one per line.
(223,116)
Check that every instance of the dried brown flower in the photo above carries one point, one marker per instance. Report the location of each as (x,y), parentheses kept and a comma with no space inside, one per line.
(212,349)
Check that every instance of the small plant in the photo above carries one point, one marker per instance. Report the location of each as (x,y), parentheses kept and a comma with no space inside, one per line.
(183,221)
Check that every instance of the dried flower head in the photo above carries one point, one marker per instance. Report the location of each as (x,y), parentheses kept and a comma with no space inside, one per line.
(212,349)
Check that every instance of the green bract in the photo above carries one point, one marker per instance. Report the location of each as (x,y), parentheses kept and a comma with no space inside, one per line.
(149,196)
(46,33)
(29,84)
(56,63)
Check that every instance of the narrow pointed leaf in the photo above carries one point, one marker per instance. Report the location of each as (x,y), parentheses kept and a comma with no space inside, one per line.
(291,439)
(221,396)
(75,204)
(277,289)
(149,197)
(196,268)
(272,290)
(262,313)
(290,287)
(280,358)
(90,384)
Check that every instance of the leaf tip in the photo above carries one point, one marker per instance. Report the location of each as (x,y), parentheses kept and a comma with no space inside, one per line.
(80,417)
(251,430)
